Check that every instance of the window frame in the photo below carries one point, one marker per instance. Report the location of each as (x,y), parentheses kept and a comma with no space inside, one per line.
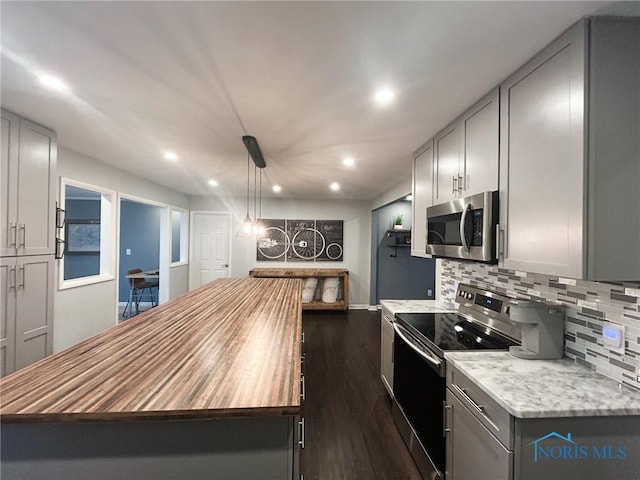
(108,212)
(184,237)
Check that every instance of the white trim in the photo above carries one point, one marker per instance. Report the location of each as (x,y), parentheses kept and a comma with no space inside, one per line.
(107,235)
(358,307)
(184,237)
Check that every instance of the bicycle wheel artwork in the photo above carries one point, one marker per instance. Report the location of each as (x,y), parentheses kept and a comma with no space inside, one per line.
(300,241)
(274,243)
(307,244)
(332,231)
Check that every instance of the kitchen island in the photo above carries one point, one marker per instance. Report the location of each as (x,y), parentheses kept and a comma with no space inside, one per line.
(204,386)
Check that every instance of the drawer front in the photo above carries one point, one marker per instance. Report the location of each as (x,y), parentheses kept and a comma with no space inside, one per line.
(495,418)
(473,453)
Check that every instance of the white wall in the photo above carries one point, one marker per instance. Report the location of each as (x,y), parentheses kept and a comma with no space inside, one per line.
(357,234)
(399,190)
(82,312)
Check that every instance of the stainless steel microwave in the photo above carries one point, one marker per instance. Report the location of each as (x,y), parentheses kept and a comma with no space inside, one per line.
(464,228)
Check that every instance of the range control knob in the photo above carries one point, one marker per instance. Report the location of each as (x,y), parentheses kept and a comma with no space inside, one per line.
(469,296)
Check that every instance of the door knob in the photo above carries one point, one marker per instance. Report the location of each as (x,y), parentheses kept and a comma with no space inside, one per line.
(225,265)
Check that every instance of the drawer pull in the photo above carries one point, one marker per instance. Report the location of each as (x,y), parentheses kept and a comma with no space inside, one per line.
(478,408)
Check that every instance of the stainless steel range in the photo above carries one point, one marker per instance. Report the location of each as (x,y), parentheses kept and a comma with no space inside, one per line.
(420,340)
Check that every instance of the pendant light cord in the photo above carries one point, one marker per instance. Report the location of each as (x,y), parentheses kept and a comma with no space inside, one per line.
(248,184)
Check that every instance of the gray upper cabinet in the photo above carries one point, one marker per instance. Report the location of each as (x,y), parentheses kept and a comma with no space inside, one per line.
(466,152)
(28,188)
(446,163)
(569,156)
(422,190)
(479,163)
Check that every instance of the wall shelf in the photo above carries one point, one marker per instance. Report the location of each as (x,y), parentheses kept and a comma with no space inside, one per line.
(401,238)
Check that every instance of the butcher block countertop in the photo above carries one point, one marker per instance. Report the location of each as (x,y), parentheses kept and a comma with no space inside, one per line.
(228,349)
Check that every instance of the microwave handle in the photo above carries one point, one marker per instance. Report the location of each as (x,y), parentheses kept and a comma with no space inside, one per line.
(463,222)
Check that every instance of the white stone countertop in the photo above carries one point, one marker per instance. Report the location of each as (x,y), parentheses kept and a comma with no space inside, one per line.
(417,306)
(545,388)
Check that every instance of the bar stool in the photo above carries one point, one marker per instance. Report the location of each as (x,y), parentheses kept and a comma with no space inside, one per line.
(138,287)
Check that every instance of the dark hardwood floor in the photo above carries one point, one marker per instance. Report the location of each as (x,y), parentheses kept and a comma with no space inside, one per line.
(350,434)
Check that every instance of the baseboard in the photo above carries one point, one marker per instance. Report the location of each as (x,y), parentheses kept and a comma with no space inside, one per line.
(359,307)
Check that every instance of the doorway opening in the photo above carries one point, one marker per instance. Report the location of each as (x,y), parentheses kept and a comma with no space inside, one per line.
(144,239)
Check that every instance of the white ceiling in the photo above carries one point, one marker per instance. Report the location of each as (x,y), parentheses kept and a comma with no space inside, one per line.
(193,77)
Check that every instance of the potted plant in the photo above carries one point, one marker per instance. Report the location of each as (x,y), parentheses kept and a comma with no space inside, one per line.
(397,221)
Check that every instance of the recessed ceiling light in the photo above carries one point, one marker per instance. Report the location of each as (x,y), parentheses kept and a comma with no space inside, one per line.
(348,162)
(213,183)
(335,186)
(54,83)
(171,156)
(409,197)
(384,96)
(276,188)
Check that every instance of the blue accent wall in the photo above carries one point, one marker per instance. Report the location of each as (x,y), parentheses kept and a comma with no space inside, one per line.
(140,232)
(401,277)
(76,266)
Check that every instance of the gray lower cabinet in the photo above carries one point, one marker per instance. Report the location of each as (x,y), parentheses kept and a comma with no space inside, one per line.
(472,451)
(569,148)
(485,442)
(26,310)
(386,350)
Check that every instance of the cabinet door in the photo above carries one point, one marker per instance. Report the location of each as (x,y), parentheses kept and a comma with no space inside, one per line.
(7,315)
(386,353)
(472,452)
(541,161)
(422,198)
(479,166)
(34,309)
(9,184)
(446,162)
(36,190)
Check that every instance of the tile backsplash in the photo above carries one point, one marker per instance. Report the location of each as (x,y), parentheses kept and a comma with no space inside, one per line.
(588,306)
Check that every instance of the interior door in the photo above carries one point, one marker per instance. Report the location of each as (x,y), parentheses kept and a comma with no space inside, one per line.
(210,252)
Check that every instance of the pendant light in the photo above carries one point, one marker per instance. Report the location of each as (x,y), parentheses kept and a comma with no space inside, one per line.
(253,227)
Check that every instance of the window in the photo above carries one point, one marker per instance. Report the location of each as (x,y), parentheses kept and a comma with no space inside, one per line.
(179,233)
(88,237)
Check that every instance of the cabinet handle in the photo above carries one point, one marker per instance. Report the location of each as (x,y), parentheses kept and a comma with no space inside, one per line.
(455,180)
(14,237)
(478,408)
(21,276)
(499,242)
(12,276)
(302,341)
(460,183)
(23,229)
(303,388)
(301,425)
(445,407)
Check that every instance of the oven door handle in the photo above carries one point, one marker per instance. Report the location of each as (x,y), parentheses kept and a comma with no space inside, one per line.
(427,357)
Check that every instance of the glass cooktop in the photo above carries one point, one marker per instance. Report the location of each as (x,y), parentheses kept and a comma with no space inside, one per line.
(450,331)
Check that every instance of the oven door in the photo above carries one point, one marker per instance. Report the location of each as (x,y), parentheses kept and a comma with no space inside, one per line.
(464,228)
(419,390)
